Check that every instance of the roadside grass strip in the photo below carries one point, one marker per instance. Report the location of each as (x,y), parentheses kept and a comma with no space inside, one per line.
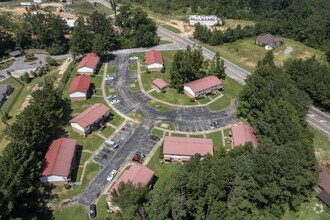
(196,136)
(178,135)
(96,81)
(171,28)
(217,139)
(77,212)
(111,69)
(101,208)
(135,116)
(134,86)
(220,103)
(159,106)
(108,131)
(132,67)
(166,125)
(158,133)
(116,119)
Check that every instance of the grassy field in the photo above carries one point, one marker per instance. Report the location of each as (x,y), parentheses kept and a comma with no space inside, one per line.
(178,135)
(91,170)
(170,125)
(321,145)
(101,208)
(245,53)
(136,86)
(220,103)
(77,212)
(217,139)
(135,116)
(92,142)
(205,100)
(84,8)
(226,132)
(171,28)
(156,132)
(173,97)
(232,88)
(96,81)
(159,106)
(232,23)
(108,131)
(132,67)
(111,69)
(162,42)
(162,171)
(6,64)
(196,136)
(116,119)
(84,157)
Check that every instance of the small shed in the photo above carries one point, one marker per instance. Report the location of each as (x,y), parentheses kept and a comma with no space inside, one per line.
(161,83)
(15,53)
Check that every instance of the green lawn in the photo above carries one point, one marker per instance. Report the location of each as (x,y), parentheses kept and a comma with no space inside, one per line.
(84,8)
(84,157)
(74,73)
(196,136)
(107,92)
(132,67)
(6,64)
(136,86)
(227,143)
(135,116)
(148,78)
(171,96)
(217,139)
(102,207)
(171,28)
(100,71)
(226,132)
(91,142)
(91,170)
(220,103)
(116,119)
(17,87)
(214,95)
(80,106)
(245,53)
(97,81)
(321,145)
(158,133)
(163,172)
(98,92)
(162,42)
(178,135)
(232,88)
(77,212)
(170,125)
(159,106)
(111,69)
(204,100)
(108,131)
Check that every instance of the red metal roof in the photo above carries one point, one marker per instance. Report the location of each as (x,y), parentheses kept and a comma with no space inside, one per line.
(160,83)
(167,158)
(58,158)
(204,83)
(154,56)
(186,146)
(90,115)
(135,174)
(80,84)
(90,60)
(242,134)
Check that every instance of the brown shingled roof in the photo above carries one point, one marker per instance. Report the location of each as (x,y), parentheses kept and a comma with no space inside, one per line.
(269,39)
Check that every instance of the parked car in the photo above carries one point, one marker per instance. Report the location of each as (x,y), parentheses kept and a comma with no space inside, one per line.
(109,78)
(116,101)
(2,77)
(68,60)
(137,159)
(112,175)
(111,143)
(216,124)
(92,210)
(139,154)
(155,138)
(111,96)
(211,126)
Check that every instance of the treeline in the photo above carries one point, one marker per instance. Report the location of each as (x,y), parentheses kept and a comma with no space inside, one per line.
(244,183)
(21,194)
(304,21)
(94,34)
(190,64)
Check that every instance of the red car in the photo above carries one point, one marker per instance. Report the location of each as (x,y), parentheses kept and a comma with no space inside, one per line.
(137,159)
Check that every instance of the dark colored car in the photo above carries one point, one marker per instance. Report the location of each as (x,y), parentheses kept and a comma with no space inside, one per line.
(92,210)
(155,138)
(216,124)
(137,159)
(139,154)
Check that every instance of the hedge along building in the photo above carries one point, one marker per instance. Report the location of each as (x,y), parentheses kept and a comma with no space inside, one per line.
(202,86)
(89,64)
(91,119)
(154,60)
(56,166)
(79,88)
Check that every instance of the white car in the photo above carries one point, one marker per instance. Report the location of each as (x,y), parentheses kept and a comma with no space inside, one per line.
(68,60)
(109,78)
(112,175)
(115,101)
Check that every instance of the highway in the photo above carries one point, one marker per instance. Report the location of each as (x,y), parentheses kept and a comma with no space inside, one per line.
(315,117)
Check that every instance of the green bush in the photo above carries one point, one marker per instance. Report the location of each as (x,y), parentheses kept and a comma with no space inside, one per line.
(50,61)
(162,70)
(25,77)
(201,97)
(56,49)
(148,71)
(192,99)
(163,91)
(67,186)
(161,155)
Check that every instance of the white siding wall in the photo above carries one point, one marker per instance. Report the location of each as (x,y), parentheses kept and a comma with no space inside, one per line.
(206,23)
(173,156)
(75,125)
(53,178)
(85,70)
(77,94)
(188,89)
(155,66)
(267,47)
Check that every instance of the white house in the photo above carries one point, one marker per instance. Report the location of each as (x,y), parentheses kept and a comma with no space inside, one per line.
(207,20)
(56,166)
(154,60)
(79,88)
(90,119)
(88,65)
(38,1)
(202,86)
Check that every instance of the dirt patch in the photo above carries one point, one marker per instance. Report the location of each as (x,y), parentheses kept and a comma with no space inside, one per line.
(180,25)
(305,55)
(62,69)
(322,155)
(243,59)
(252,64)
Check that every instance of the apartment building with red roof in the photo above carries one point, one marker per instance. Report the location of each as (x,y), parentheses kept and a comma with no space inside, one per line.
(79,88)
(203,86)
(161,83)
(136,174)
(88,65)
(154,60)
(183,148)
(56,166)
(90,119)
(242,134)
